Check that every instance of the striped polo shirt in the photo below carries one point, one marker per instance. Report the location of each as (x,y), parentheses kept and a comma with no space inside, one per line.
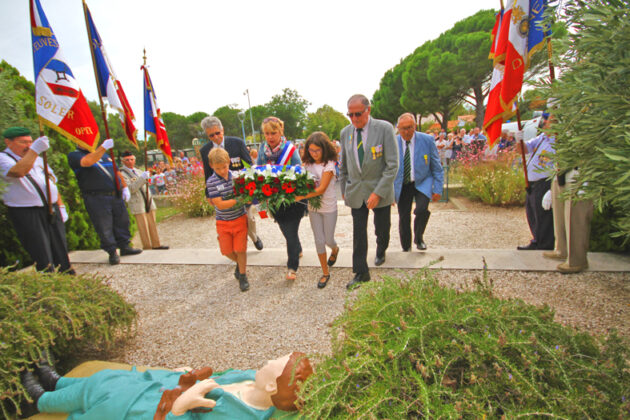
(219,187)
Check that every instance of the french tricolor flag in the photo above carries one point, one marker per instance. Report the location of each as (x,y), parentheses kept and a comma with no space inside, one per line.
(153,123)
(59,101)
(109,86)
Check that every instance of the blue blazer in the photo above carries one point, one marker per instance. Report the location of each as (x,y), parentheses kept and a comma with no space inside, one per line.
(428,173)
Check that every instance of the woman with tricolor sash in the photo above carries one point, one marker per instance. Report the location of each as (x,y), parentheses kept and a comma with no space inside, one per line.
(277,150)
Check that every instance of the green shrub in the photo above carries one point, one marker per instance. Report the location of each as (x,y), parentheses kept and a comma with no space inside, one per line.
(64,313)
(410,349)
(498,182)
(189,197)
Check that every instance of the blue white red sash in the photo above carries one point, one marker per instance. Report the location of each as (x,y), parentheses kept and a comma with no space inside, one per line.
(286,154)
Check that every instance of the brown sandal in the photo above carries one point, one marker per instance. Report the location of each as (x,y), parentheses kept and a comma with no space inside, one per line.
(333,258)
(323,281)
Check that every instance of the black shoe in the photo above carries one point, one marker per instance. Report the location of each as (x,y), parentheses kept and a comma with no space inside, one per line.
(358,279)
(243,283)
(530,247)
(237,274)
(113,258)
(408,249)
(34,390)
(129,251)
(161,247)
(323,281)
(379,260)
(258,244)
(47,375)
(421,246)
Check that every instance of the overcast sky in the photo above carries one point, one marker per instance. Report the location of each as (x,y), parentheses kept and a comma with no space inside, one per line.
(204,54)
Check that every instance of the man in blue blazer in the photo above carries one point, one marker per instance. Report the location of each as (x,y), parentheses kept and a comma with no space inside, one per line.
(420,176)
(369,161)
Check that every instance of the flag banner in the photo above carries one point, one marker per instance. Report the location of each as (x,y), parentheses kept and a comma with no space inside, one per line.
(109,86)
(59,101)
(523,32)
(153,123)
(493,118)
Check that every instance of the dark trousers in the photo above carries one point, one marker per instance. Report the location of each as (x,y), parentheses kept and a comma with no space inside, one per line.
(421,215)
(289,227)
(110,219)
(540,220)
(382,224)
(45,242)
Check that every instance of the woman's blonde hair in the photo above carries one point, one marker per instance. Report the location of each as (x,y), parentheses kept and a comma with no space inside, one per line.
(273,123)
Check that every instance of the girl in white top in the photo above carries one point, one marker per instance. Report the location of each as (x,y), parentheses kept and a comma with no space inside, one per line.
(320,158)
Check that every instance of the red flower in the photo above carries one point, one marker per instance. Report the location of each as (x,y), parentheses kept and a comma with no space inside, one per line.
(251,186)
(275,190)
(276,180)
(241,181)
(267,190)
(261,178)
(234,189)
(251,192)
(241,190)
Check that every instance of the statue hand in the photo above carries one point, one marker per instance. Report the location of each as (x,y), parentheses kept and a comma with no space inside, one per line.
(194,397)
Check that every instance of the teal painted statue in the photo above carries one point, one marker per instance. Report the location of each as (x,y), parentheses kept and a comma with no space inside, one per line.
(122,394)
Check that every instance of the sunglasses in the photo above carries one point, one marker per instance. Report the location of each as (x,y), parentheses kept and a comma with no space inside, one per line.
(356,114)
(271,119)
(216,133)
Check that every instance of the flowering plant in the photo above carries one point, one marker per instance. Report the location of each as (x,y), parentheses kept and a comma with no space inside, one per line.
(274,185)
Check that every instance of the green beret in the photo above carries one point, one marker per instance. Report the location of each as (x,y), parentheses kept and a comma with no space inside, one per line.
(13,132)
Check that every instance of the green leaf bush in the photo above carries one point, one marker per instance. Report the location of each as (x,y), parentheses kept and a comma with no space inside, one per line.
(409,348)
(497,182)
(64,313)
(189,196)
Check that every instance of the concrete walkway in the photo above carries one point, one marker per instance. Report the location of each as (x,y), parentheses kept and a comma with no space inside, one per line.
(450,259)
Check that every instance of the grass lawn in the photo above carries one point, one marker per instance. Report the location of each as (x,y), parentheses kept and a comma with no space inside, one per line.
(163,213)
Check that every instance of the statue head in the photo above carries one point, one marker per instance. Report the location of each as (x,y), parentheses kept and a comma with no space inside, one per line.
(296,370)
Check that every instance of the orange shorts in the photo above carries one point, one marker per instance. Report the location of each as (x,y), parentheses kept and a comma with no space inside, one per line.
(232,235)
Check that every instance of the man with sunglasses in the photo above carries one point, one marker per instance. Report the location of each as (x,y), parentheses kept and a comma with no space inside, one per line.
(238,157)
(369,163)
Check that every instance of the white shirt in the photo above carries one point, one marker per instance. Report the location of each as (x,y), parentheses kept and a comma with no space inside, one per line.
(329,197)
(20,192)
(412,143)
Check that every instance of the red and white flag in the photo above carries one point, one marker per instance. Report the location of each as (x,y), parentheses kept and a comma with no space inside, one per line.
(109,86)
(493,118)
(59,101)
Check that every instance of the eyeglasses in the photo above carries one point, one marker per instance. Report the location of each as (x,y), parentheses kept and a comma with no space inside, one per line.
(216,133)
(355,114)
(314,151)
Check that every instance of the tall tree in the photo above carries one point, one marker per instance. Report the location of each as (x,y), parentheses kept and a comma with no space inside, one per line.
(290,107)
(180,132)
(593,112)
(326,119)
(386,100)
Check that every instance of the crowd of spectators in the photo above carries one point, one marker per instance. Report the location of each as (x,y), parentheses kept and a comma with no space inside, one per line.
(164,177)
(458,144)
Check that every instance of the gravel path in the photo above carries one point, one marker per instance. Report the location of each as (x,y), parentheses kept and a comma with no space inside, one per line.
(196,315)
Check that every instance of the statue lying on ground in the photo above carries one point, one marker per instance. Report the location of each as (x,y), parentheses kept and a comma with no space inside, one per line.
(121,394)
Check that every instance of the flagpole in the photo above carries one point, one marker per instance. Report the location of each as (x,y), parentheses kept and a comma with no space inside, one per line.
(100,99)
(46,175)
(146,155)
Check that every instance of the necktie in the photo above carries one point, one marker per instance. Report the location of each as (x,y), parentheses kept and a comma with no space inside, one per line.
(360,146)
(407,165)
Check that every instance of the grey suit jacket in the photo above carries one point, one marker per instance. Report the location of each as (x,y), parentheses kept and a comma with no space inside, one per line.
(137,188)
(380,165)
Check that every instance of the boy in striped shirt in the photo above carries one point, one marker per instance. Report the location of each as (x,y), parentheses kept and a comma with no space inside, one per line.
(231,218)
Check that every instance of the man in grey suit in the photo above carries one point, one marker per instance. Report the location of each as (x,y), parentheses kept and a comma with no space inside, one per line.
(369,163)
